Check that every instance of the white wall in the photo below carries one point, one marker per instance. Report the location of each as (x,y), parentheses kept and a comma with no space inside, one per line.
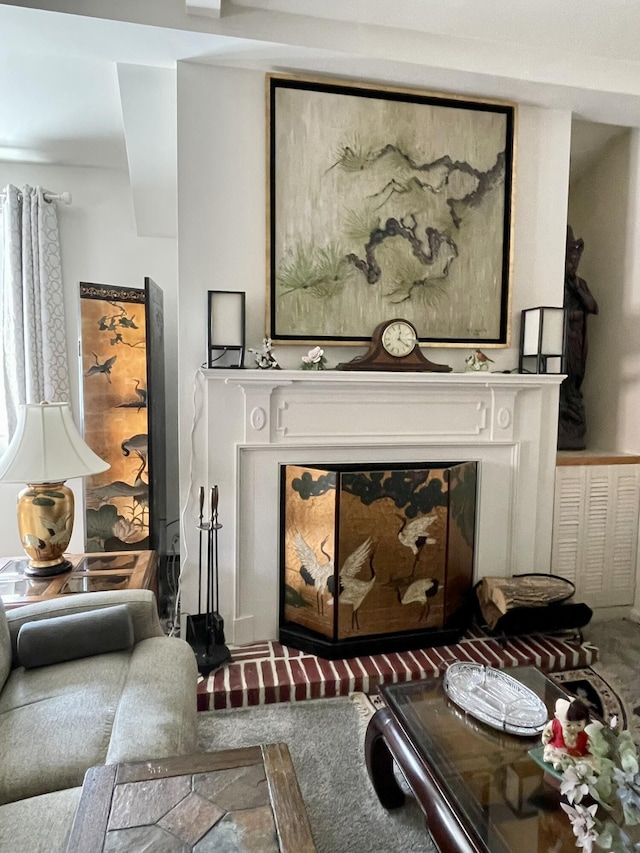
(604,209)
(222,242)
(99,244)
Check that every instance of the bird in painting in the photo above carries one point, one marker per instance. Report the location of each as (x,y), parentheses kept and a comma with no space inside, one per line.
(138,445)
(104,368)
(312,571)
(421,591)
(353,590)
(414,535)
(142,394)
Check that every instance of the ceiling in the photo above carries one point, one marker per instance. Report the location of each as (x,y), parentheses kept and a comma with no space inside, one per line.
(61,92)
(59,87)
(604,28)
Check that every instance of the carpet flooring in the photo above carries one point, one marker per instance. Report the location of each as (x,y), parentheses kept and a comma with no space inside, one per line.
(325,738)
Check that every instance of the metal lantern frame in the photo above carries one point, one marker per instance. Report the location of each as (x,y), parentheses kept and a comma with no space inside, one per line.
(226,328)
(543,333)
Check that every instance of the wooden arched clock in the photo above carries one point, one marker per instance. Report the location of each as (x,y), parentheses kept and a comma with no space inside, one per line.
(394,346)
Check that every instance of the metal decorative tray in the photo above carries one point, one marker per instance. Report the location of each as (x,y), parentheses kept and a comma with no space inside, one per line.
(495,698)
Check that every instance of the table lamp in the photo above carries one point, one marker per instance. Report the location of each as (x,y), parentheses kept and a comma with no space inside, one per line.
(47,449)
(542,340)
(226,337)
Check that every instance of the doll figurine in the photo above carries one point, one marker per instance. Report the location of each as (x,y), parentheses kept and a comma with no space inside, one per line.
(564,737)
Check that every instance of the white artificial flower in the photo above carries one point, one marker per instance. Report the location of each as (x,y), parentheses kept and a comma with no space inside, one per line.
(578,780)
(313,356)
(583,824)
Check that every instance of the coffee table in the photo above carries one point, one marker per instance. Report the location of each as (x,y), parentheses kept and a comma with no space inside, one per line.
(478,788)
(205,801)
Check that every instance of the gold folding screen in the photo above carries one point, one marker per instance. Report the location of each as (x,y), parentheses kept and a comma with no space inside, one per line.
(116,427)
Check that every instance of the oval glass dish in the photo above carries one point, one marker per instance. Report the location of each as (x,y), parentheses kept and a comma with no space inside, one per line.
(495,698)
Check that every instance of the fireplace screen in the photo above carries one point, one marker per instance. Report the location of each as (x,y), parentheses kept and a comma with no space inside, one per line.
(374,550)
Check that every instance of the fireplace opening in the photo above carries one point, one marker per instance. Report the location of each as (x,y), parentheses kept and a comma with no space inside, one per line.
(375,557)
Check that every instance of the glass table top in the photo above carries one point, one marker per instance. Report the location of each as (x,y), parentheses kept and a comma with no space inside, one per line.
(107,562)
(94,583)
(12,583)
(90,573)
(488,776)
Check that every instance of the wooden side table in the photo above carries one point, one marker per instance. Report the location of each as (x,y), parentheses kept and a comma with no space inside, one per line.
(89,573)
(201,801)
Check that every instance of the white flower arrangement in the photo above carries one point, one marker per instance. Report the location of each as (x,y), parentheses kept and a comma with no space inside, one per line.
(314,359)
(603,791)
(264,358)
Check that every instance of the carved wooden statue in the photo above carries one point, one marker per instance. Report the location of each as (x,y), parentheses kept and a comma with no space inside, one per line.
(579,304)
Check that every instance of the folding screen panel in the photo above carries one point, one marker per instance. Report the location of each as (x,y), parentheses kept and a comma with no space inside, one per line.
(375,556)
(124,505)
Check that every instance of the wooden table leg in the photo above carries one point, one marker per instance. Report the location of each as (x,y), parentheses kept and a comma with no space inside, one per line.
(385,741)
(380,762)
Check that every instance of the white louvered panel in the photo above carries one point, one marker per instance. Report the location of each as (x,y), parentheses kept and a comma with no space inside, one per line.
(621,564)
(598,492)
(595,531)
(568,510)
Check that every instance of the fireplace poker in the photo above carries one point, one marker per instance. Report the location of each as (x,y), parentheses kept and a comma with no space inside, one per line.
(218,624)
(201,527)
(216,527)
(210,569)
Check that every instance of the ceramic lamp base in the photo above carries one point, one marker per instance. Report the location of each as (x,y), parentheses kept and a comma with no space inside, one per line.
(48,571)
(45,523)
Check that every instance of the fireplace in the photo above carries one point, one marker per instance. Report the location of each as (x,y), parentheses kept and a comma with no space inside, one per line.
(375,557)
(251,422)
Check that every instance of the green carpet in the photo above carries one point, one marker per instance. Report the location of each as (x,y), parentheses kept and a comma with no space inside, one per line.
(325,738)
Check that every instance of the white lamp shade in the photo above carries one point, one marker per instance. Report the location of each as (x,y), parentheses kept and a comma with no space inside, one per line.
(553,330)
(531,319)
(227,318)
(552,320)
(47,447)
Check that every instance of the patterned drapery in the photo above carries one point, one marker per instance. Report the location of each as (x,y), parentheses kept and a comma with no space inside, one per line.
(35,363)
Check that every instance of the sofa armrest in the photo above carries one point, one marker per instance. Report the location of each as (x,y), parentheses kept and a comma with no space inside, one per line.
(141,605)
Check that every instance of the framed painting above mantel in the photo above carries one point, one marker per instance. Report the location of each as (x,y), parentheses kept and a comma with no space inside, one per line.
(387,203)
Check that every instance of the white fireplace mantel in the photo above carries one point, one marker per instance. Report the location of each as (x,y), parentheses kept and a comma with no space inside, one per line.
(257,420)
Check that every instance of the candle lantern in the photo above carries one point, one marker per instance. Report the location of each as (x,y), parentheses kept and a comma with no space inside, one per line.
(542,336)
(226,334)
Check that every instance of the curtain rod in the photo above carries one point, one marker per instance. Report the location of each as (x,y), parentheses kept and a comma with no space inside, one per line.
(65,197)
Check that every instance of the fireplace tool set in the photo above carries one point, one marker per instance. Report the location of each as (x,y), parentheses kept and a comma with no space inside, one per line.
(205,631)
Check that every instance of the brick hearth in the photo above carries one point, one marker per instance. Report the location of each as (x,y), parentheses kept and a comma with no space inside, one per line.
(265,673)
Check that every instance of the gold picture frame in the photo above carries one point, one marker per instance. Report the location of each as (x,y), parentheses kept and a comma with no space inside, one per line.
(386,202)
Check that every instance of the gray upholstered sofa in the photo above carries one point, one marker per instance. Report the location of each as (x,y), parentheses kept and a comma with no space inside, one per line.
(59,719)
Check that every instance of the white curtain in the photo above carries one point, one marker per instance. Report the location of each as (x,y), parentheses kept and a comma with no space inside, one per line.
(34,348)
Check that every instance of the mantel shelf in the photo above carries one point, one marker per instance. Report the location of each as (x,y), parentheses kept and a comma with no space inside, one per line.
(275,378)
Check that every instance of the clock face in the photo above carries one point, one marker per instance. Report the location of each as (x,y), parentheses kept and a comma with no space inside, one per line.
(399,338)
